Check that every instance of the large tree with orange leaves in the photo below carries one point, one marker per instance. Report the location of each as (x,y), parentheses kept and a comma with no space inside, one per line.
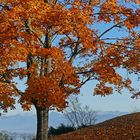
(56,46)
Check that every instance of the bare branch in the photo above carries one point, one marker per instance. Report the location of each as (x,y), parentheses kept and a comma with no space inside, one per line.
(78,115)
(136,95)
(106,31)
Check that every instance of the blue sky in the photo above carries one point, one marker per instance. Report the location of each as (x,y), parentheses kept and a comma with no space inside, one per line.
(114,102)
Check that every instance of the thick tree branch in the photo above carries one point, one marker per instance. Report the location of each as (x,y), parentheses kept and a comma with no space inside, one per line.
(85,72)
(13,86)
(75,52)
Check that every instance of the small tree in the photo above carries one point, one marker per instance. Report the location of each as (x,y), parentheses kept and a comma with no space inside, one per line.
(4,137)
(78,115)
(60,130)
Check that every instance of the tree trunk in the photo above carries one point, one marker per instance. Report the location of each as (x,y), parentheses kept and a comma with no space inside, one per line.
(42,123)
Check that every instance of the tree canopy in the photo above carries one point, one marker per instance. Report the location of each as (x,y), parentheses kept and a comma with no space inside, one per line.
(57,46)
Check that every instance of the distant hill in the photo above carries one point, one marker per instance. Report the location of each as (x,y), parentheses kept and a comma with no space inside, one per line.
(125,127)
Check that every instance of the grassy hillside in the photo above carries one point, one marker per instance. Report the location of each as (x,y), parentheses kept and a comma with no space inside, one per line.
(125,127)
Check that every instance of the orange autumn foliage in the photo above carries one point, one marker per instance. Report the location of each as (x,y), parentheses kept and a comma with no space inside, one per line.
(57,46)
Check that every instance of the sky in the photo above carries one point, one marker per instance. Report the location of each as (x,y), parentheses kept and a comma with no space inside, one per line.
(114,102)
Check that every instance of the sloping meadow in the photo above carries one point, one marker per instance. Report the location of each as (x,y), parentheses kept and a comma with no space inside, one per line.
(120,128)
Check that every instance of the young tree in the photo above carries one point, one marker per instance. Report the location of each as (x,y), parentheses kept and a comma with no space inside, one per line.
(78,115)
(4,137)
(60,130)
(56,46)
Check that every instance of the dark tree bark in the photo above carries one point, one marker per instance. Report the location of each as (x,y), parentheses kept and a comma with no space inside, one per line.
(42,123)
(42,113)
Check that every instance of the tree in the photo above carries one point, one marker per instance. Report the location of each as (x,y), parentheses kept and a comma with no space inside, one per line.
(4,137)
(56,46)
(79,116)
(60,130)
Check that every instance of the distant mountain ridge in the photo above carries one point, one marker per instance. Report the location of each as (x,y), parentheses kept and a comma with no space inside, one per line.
(27,123)
(18,136)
